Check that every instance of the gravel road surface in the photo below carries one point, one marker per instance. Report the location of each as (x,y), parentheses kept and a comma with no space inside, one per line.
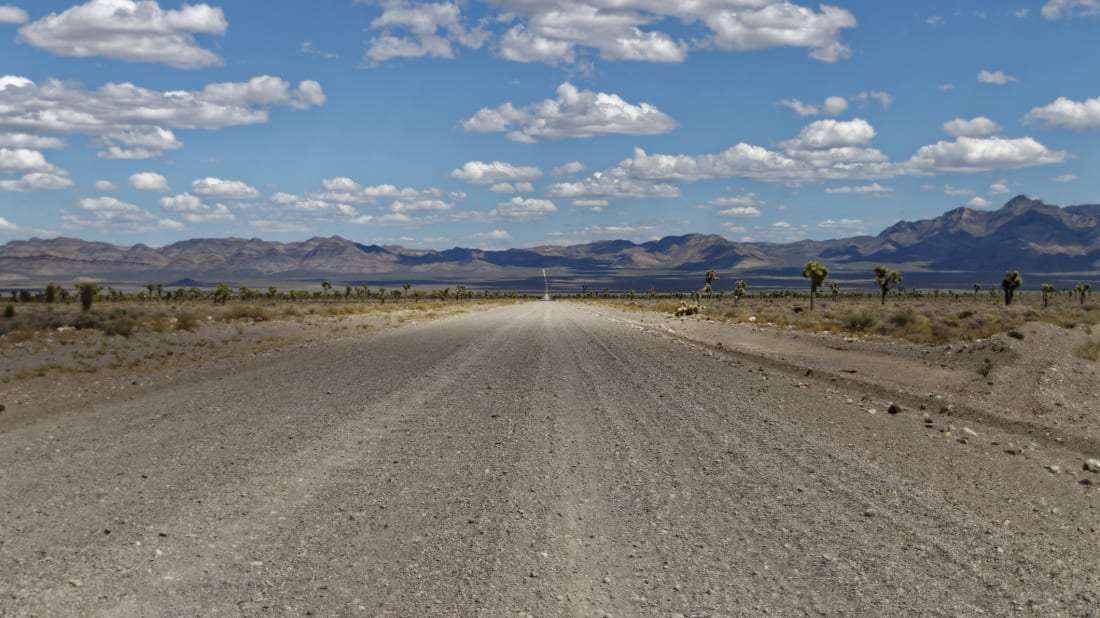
(536,459)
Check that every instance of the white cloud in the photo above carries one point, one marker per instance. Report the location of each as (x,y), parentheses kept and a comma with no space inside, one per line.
(569,31)
(223,189)
(953,190)
(35,142)
(1068,114)
(421,30)
(510,187)
(149,181)
(871,189)
(979,202)
(595,204)
(192,210)
(111,214)
(1057,9)
(1021,13)
(105,185)
(22,160)
(12,15)
(480,172)
(884,98)
(935,20)
(37,181)
(129,30)
(568,169)
(493,235)
(740,211)
(826,134)
(848,225)
(308,48)
(135,123)
(1065,178)
(800,108)
(824,150)
(521,209)
(573,114)
(998,78)
(946,87)
(832,106)
(999,188)
(979,126)
(7,226)
(748,199)
(976,154)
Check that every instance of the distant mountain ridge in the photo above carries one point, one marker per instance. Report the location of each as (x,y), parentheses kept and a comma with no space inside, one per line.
(1024,234)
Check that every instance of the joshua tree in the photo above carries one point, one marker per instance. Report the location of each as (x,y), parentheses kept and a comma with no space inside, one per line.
(222,294)
(271,292)
(1082,290)
(817,274)
(87,292)
(738,290)
(886,279)
(1048,289)
(834,287)
(977,287)
(711,276)
(326,285)
(52,290)
(1010,284)
(406,286)
(651,292)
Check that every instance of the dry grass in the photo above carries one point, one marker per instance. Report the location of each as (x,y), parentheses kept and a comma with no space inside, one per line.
(919,320)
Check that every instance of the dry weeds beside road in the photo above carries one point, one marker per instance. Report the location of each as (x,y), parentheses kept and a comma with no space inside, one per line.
(536,458)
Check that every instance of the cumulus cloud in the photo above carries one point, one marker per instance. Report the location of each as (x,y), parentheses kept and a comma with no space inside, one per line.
(953,190)
(338,200)
(493,235)
(976,154)
(512,187)
(12,15)
(192,209)
(979,202)
(480,172)
(568,169)
(568,31)
(1057,9)
(105,185)
(999,188)
(748,199)
(21,160)
(1067,114)
(871,189)
(37,181)
(7,226)
(223,189)
(979,126)
(998,78)
(131,122)
(832,106)
(849,225)
(824,150)
(1065,178)
(524,209)
(34,142)
(884,98)
(130,30)
(149,181)
(406,30)
(111,214)
(573,114)
(740,211)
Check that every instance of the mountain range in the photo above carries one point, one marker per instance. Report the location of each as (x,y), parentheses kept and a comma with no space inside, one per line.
(959,246)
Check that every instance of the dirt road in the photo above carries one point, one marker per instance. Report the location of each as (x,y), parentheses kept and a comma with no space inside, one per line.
(534,459)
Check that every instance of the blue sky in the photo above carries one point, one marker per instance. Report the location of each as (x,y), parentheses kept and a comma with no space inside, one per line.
(515,123)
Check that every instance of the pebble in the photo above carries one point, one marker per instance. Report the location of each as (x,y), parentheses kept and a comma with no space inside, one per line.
(894,408)
(1054,469)
(1092,465)
(970,432)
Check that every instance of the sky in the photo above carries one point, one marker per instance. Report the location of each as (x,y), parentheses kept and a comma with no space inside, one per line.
(519,123)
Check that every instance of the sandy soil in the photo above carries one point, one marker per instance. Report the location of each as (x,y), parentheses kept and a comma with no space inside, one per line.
(545,459)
